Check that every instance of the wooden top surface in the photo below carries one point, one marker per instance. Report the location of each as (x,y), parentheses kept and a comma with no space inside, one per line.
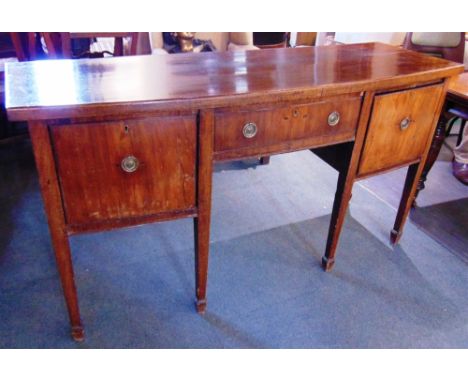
(87,87)
(459,86)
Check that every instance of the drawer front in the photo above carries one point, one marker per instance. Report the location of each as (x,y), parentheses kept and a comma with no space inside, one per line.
(122,169)
(335,118)
(328,118)
(400,127)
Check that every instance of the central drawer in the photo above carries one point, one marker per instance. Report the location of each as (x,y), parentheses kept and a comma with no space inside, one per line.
(330,120)
(119,169)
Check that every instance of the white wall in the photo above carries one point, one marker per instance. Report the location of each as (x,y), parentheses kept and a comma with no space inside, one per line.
(393,38)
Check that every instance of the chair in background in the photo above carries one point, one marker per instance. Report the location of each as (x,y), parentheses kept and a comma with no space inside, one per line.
(26,45)
(268,40)
(59,44)
(305,39)
(450,46)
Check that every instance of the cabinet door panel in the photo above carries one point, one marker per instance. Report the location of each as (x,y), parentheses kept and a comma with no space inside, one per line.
(122,169)
(400,127)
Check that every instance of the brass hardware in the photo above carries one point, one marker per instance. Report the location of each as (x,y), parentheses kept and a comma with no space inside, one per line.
(249,130)
(333,118)
(130,164)
(404,124)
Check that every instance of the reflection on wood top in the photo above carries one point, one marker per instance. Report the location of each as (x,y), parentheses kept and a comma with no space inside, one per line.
(54,88)
(459,86)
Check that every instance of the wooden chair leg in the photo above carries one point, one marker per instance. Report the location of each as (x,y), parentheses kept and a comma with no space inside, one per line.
(407,198)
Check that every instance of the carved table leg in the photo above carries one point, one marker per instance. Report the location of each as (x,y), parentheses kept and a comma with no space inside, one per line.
(202,221)
(434,151)
(56,219)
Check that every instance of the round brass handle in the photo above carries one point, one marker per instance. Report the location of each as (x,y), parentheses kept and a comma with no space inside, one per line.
(249,130)
(333,118)
(404,124)
(130,164)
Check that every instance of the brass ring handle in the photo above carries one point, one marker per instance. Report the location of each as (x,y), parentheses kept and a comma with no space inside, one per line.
(249,130)
(333,118)
(130,164)
(404,124)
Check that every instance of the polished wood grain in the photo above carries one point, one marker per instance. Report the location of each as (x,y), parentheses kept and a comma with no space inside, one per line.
(181,113)
(458,86)
(89,87)
(387,144)
(94,185)
(283,124)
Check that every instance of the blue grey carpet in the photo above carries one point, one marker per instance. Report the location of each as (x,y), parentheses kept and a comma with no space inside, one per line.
(266,288)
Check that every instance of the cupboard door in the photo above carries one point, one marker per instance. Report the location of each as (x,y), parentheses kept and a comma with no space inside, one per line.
(111,170)
(400,128)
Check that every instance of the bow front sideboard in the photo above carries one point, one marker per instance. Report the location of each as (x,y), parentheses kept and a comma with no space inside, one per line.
(132,140)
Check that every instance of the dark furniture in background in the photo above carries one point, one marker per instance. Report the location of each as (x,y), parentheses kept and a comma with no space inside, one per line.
(7,51)
(450,46)
(59,44)
(28,46)
(14,46)
(455,107)
(267,40)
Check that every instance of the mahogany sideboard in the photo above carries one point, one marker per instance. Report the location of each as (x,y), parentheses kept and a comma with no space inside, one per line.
(132,140)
